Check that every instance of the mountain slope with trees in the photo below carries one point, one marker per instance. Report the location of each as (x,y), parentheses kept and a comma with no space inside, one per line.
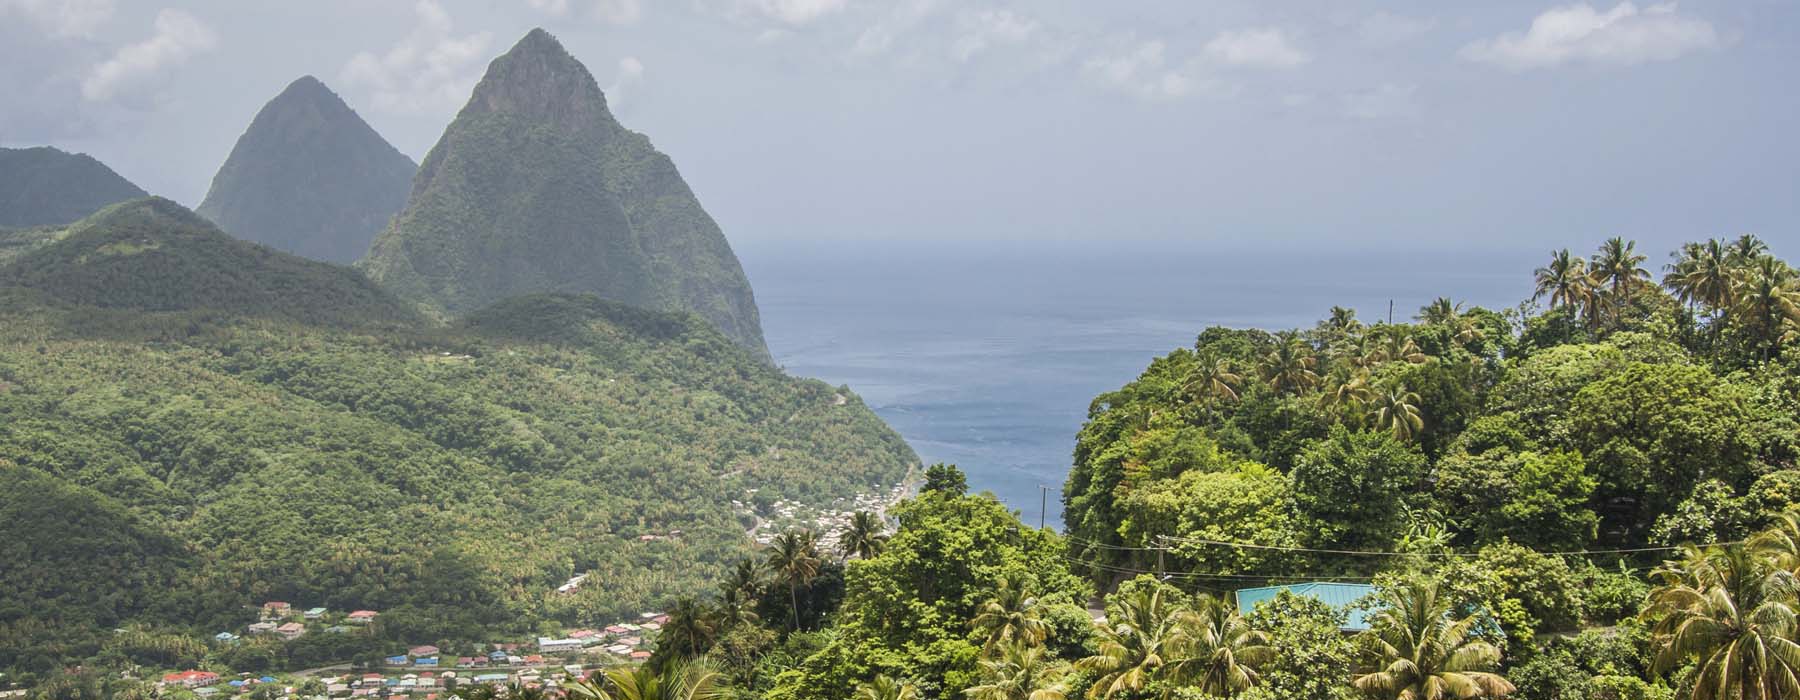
(535,187)
(278,428)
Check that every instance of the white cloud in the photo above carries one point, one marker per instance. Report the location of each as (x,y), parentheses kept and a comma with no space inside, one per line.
(877,38)
(793,12)
(631,72)
(1260,48)
(978,31)
(1385,29)
(1623,35)
(428,69)
(609,11)
(1142,71)
(61,19)
(176,35)
(1390,101)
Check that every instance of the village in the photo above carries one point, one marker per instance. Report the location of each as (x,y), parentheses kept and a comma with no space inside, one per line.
(423,672)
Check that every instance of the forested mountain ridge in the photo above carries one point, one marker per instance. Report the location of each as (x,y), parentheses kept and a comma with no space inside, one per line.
(535,187)
(44,186)
(309,177)
(358,456)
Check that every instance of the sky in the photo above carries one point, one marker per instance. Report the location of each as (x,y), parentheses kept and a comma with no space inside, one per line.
(848,123)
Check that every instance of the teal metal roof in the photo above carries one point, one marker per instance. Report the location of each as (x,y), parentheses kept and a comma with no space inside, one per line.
(1337,595)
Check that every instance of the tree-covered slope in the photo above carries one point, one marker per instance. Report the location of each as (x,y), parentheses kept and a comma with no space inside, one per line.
(450,477)
(536,188)
(151,255)
(44,186)
(309,177)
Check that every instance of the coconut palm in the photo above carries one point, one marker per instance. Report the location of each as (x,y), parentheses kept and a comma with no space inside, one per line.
(733,608)
(1766,296)
(886,688)
(1289,367)
(745,579)
(674,681)
(1011,616)
(1702,274)
(1565,280)
(1781,542)
(1212,377)
(1396,411)
(690,631)
(1619,266)
(795,560)
(1218,651)
(863,536)
(1020,672)
(1732,614)
(1441,311)
(1342,320)
(1347,392)
(1747,248)
(1416,650)
(1397,345)
(1133,642)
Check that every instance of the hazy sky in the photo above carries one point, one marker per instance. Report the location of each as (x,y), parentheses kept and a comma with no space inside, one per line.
(1377,124)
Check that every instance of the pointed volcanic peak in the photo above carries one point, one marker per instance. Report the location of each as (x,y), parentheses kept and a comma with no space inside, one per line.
(44,186)
(536,188)
(309,177)
(153,255)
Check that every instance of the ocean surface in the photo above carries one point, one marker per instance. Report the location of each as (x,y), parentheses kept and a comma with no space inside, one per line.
(987,356)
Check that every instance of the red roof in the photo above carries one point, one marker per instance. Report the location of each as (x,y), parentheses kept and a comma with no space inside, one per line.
(275,604)
(189,676)
(640,655)
(364,613)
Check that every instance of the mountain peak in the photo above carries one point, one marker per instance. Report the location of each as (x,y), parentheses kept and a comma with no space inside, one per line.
(309,177)
(45,186)
(538,78)
(535,188)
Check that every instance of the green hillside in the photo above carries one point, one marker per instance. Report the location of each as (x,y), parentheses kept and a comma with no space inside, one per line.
(285,432)
(44,186)
(535,187)
(309,177)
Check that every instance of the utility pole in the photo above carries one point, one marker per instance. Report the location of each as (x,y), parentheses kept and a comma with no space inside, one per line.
(1043,503)
(1162,571)
(1390,312)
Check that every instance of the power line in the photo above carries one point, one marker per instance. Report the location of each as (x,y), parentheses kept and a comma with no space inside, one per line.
(1244,545)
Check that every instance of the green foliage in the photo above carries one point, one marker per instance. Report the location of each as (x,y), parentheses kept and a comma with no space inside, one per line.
(945,478)
(276,437)
(1313,659)
(1352,487)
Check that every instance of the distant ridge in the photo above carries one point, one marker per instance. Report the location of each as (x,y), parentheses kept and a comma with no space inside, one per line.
(535,187)
(153,255)
(309,177)
(44,186)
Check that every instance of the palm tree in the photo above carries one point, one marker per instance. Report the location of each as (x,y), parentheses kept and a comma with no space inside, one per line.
(1212,377)
(795,560)
(885,688)
(1289,367)
(1398,346)
(675,681)
(1781,542)
(1702,274)
(1620,266)
(690,631)
(733,608)
(1415,650)
(1766,297)
(1397,411)
(863,536)
(1219,652)
(1011,616)
(1020,672)
(746,579)
(1747,248)
(1441,311)
(1133,641)
(1565,280)
(1732,613)
(1342,320)
(1348,391)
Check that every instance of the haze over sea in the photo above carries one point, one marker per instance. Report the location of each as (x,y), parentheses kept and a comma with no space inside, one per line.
(987,357)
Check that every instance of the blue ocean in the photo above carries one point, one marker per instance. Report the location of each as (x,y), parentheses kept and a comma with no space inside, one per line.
(987,356)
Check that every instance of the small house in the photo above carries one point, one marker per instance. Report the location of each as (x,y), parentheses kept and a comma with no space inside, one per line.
(362,617)
(315,613)
(191,679)
(549,645)
(291,630)
(261,628)
(431,661)
(1340,596)
(399,660)
(275,610)
(225,638)
(423,650)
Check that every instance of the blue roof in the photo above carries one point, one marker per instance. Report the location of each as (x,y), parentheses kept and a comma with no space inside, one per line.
(267,679)
(1337,595)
